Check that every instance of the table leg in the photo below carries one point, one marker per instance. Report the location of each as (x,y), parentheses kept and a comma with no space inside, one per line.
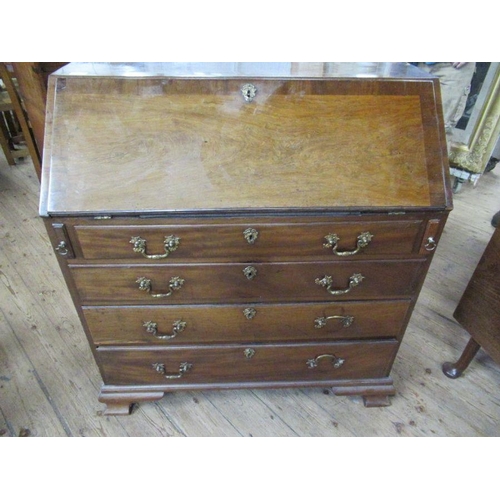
(454,370)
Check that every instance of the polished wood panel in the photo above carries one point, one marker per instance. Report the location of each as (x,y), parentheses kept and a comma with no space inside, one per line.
(275,363)
(271,323)
(223,242)
(226,283)
(196,144)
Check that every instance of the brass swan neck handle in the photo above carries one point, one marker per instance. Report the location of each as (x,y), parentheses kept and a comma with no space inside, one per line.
(170,244)
(327,282)
(332,241)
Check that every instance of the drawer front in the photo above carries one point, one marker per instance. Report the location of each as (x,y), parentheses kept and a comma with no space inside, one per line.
(250,362)
(172,325)
(235,283)
(255,242)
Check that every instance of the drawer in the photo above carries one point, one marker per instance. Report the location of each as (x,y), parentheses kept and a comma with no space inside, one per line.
(253,241)
(171,325)
(250,362)
(236,283)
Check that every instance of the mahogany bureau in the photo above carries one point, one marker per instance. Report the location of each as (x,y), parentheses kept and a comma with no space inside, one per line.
(244,225)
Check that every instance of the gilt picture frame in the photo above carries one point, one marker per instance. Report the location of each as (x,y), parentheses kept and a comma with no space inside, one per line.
(473,142)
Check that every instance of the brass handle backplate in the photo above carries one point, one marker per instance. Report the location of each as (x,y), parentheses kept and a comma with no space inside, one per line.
(345,320)
(327,282)
(175,283)
(333,240)
(177,327)
(336,361)
(183,368)
(171,243)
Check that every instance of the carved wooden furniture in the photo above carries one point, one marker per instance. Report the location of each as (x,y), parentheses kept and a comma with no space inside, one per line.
(244,225)
(478,310)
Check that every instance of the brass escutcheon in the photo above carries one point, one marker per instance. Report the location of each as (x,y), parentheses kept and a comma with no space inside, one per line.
(249,312)
(248,91)
(336,361)
(327,282)
(250,272)
(249,353)
(171,243)
(251,235)
(333,240)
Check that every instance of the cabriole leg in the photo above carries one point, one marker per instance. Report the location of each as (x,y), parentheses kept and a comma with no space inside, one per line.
(454,370)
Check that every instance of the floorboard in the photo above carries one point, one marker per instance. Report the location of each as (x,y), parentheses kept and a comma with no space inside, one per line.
(49,382)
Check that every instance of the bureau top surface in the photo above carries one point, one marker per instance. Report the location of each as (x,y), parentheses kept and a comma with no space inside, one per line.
(240,70)
(174,138)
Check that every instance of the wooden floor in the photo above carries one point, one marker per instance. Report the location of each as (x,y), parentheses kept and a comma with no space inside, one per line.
(49,382)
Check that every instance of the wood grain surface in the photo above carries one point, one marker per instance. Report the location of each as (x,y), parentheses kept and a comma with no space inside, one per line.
(226,283)
(223,242)
(49,380)
(196,144)
(205,325)
(268,363)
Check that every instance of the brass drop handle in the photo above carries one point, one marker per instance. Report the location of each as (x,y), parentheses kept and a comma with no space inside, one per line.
(62,249)
(336,361)
(170,244)
(431,244)
(183,368)
(177,327)
(175,283)
(345,320)
(327,282)
(332,241)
